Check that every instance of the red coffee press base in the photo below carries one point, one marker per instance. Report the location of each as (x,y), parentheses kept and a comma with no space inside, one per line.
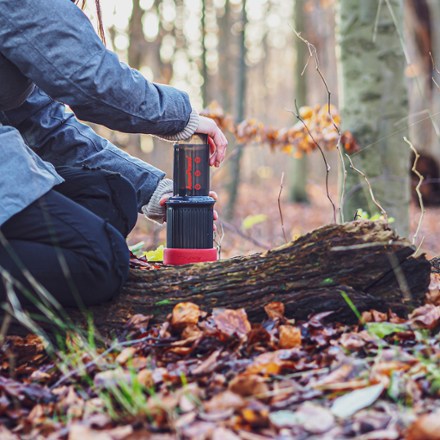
(178,257)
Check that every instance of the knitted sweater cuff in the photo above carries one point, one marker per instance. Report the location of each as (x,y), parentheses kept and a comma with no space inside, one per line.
(153,210)
(187,132)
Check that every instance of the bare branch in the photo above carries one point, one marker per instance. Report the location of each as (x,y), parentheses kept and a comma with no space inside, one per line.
(232,228)
(313,53)
(327,166)
(419,194)
(381,209)
(279,207)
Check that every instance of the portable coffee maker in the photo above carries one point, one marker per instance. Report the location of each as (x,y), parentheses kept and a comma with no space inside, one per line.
(190,211)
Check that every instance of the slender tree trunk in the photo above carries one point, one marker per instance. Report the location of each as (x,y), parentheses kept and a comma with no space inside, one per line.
(240,106)
(298,191)
(224,77)
(434,8)
(374,106)
(204,52)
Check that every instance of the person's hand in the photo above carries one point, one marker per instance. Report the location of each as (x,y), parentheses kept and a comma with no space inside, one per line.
(216,139)
(212,194)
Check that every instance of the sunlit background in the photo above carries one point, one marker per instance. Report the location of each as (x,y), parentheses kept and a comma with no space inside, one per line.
(245,56)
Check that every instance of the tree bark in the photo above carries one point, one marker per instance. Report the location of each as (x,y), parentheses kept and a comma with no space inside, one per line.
(374,106)
(366,260)
(299,167)
(235,163)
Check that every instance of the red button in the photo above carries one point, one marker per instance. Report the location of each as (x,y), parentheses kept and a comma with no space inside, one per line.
(197,173)
(197,186)
(197,159)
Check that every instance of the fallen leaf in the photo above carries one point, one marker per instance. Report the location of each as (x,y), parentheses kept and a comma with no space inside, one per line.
(275,310)
(223,401)
(224,434)
(185,313)
(145,378)
(426,427)
(290,336)
(5,434)
(248,385)
(125,355)
(314,418)
(232,322)
(350,403)
(427,316)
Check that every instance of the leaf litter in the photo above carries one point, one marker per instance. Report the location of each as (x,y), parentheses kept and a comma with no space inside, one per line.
(216,375)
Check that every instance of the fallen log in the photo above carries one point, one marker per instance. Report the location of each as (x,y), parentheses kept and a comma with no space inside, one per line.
(366,260)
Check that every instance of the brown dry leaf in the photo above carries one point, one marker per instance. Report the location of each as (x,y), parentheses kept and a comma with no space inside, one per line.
(82,432)
(223,401)
(255,415)
(232,322)
(387,368)
(427,316)
(191,332)
(275,310)
(5,434)
(208,365)
(185,313)
(224,434)
(199,430)
(290,336)
(337,376)
(351,341)
(139,321)
(272,362)
(145,378)
(426,427)
(247,385)
(125,355)
(315,418)
(374,316)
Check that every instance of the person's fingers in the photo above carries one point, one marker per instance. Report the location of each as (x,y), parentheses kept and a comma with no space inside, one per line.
(212,151)
(214,195)
(221,143)
(215,215)
(217,140)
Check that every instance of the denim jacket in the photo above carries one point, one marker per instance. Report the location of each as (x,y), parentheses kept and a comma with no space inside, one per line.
(50,55)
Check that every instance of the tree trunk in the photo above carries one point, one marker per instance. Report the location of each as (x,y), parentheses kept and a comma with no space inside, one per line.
(204,69)
(374,106)
(235,163)
(299,171)
(366,260)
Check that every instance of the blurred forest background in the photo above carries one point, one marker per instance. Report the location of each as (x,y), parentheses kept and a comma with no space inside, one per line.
(246,56)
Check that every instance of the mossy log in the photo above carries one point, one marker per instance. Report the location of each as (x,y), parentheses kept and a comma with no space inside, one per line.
(366,260)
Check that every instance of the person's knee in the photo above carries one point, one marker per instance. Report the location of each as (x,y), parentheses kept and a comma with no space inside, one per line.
(107,194)
(124,199)
(111,275)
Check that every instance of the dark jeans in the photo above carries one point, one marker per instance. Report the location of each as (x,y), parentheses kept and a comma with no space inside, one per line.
(72,240)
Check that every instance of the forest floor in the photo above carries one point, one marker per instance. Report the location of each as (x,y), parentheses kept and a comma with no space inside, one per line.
(216,375)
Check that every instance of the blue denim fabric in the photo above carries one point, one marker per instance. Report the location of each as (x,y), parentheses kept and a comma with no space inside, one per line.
(53,45)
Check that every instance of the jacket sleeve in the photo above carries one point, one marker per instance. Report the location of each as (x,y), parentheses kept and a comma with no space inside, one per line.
(54,44)
(60,139)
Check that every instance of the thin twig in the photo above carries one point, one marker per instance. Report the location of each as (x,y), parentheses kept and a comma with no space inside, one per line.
(327,166)
(381,209)
(419,194)
(279,207)
(4,328)
(400,277)
(234,229)
(313,53)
